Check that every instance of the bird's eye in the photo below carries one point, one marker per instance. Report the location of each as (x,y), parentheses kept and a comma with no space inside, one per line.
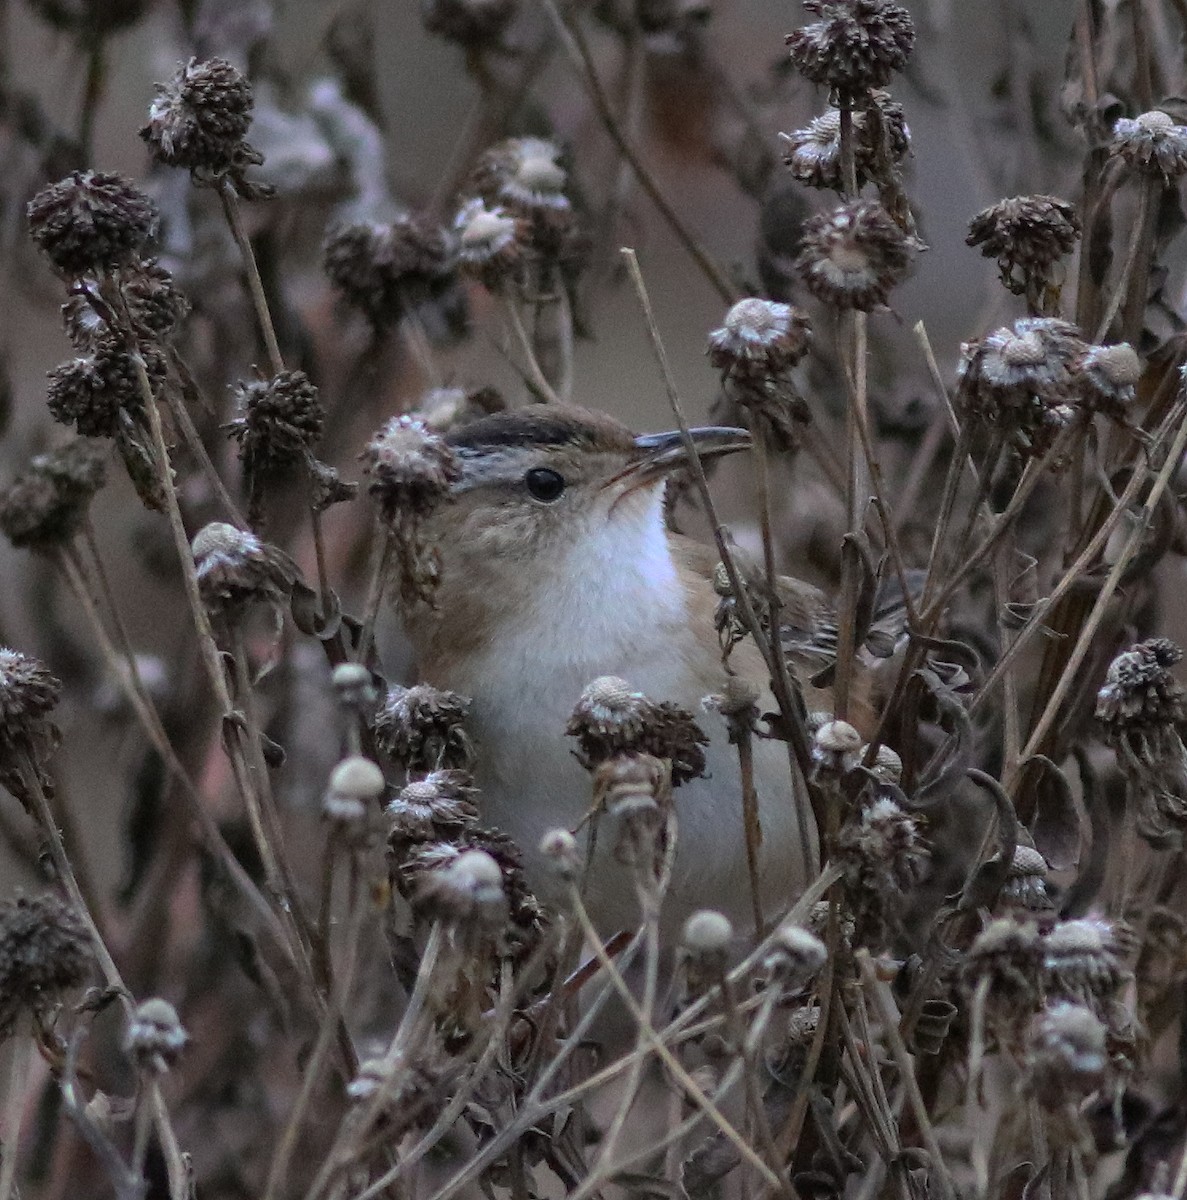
(543,484)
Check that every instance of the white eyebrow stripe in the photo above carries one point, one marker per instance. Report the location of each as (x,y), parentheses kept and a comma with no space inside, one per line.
(484,466)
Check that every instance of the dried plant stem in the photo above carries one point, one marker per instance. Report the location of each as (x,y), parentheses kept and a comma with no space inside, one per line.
(534,376)
(193,440)
(1132,276)
(883,1004)
(255,285)
(175,1163)
(382,557)
(575,46)
(751,827)
(417,341)
(552,333)
(18,1055)
(790,705)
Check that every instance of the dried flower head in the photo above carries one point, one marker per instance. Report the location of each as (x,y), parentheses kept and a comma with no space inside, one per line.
(424,729)
(738,704)
(1083,960)
(467,890)
(611,718)
(854,46)
(355,686)
(708,934)
(836,747)
(28,694)
(1027,235)
(1109,377)
(236,569)
(155,305)
(562,854)
(1139,691)
(386,269)
(1152,143)
(445,408)
(760,338)
(435,808)
(882,853)
(852,256)
(1025,888)
(198,120)
(280,421)
(155,1036)
(1004,964)
(91,222)
(46,506)
(635,792)
(356,783)
(95,391)
(795,957)
(887,767)
(411,469)
(1067,1055)
(468,22)
(813,154)
(490,244)
(44,951)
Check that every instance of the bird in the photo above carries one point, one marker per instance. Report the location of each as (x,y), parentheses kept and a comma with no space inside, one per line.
(557,567)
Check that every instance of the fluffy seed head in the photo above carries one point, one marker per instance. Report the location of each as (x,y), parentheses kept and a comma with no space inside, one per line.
(854,255)
(356,783)
(796,955)
(1067,1054)
(155,1036)
(854,46)
(1082,959)
(1007,954)
(45,507)
(355,686)
(411,468)
(91,222)
(44,951)
(708,933)
(468,889)
(562,854)
(490,243)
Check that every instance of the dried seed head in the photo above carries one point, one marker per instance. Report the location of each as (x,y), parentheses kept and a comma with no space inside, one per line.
(836,747)
(708,935)
(852,256)
(562,854)
(385,269)
(45,507)
(443,409)
(1110,376)
(423,729)
(490,244)
(1067,1055)
(1027,235)
(1083,960)
(468,22)
(356,783)
(525,174)
(760,338)
(434,808)
(854,46)
(1025,888)
(280,421)
(44,951)
(612,719)
(796,955)
(1139,691)
(199,119)
(814,153)
(93,391)
(355,686)
(155,305)
(887,766)
(882,853)
(1152,143)
(236,569)
(155,1036)
(467,890)
(91,223)
(28,694)
(738,704)
(411,469)
(1007,955)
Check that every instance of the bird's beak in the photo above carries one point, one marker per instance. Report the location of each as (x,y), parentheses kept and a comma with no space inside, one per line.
(659,454)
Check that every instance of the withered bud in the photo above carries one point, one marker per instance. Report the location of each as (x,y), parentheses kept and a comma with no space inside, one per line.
(490,244)
(611,719)
(466,890)
(1026,882)
(1139,691)
(356,783)
(854,46)
(423,729)
(854,255)
(836,747)
(385,269)
(468,22)
(94,391)
(198,120)
(1027,235)
(814,153)
(760,338)
(91,222)
(1067,1055)
(796,955)
(236,569)
(44,951)
(46,506)
(155,1036)
(1110,375)
(1152,143)
(562,854)
(355,686)
(433,808)
(280,420)
(1083,959)
(708,935)
(411,469)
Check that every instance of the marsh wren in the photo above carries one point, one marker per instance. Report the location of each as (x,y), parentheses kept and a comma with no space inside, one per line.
(557,567)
